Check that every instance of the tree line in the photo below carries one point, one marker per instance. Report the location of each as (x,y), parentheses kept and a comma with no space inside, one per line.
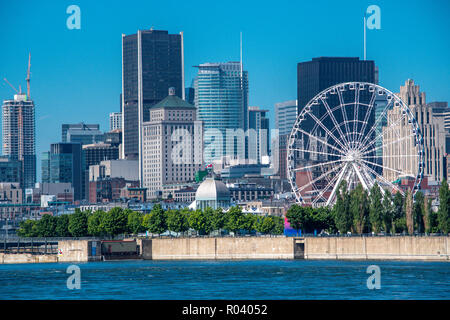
(359,211)
(118,221)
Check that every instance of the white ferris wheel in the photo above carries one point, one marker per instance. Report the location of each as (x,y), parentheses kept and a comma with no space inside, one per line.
(356,132)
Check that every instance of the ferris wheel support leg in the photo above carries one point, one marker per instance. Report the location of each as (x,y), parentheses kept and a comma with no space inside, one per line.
(341,175)
(358,173)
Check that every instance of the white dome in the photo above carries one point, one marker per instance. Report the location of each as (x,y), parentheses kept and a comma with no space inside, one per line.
(212,189)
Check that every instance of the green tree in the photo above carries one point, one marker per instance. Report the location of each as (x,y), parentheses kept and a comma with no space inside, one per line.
(409,212)
(427,214)
(359,208)
(342,214)
(296,216)
(265,224)
(78,223)
(199,221)
(279,225)
(375,208)
(62,226)
(96,226)
(155,222)
(177,221)
(217,219)
(234,220)
(27,228)
(134,222)
(418,211)
(400,224)
(444,207)
(399,220)
(433,217)
(250,221)
(46,226)
(115,221)
(322,219)
(388,212)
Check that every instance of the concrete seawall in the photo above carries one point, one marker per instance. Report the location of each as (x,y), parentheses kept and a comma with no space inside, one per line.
(343,248)
(378,248)
(222,248)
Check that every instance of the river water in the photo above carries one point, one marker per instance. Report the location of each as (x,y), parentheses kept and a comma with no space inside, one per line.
(250,279)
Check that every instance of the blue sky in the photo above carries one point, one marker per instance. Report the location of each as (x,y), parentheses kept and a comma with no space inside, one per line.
(76,74)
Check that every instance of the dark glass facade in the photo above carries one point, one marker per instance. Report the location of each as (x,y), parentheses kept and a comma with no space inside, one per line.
(10,169)
(324,72)
(321,73)
(94,154)
(81,132)
(64,163)
(158,68)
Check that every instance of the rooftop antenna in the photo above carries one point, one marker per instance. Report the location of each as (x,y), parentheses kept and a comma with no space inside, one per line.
(241,52)
(364,37)
(28,75)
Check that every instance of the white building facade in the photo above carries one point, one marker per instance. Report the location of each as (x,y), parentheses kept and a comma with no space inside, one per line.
(172,145)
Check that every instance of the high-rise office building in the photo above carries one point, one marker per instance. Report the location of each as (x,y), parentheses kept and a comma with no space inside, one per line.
(221,99)
(258,140)
(431,127)
(115,121)
(95,153)
(441,109)
(189,95)
(317,75)
(152,62)
(81,133)
(173,144)
(321,73)
(64,163)
(285,116)
(18,127)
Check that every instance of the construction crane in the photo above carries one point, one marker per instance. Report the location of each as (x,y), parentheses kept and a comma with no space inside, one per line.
(28,78)
(28,75)
(6,80)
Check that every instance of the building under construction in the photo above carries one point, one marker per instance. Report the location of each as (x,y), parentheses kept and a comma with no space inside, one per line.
(18,129)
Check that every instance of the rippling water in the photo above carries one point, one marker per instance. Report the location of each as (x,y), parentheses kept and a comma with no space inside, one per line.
(267,279)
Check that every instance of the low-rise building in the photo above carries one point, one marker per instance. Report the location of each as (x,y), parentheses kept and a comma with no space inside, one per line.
(185,194)
(107,189)
(11,193)
(62,191)
(134,192)
(243,192)
(271,208)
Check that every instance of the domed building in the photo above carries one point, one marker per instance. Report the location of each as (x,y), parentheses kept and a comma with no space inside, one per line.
(212,193)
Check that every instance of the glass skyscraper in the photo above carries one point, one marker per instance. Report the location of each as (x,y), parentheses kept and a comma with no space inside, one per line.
(152,62)
(285,116)
(258,145)
(321,73)
(64,163)
(221,99)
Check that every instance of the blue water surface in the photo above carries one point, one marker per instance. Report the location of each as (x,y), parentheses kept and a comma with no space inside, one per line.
(250,279)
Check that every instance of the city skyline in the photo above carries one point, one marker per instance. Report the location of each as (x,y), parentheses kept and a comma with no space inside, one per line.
(63,93)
